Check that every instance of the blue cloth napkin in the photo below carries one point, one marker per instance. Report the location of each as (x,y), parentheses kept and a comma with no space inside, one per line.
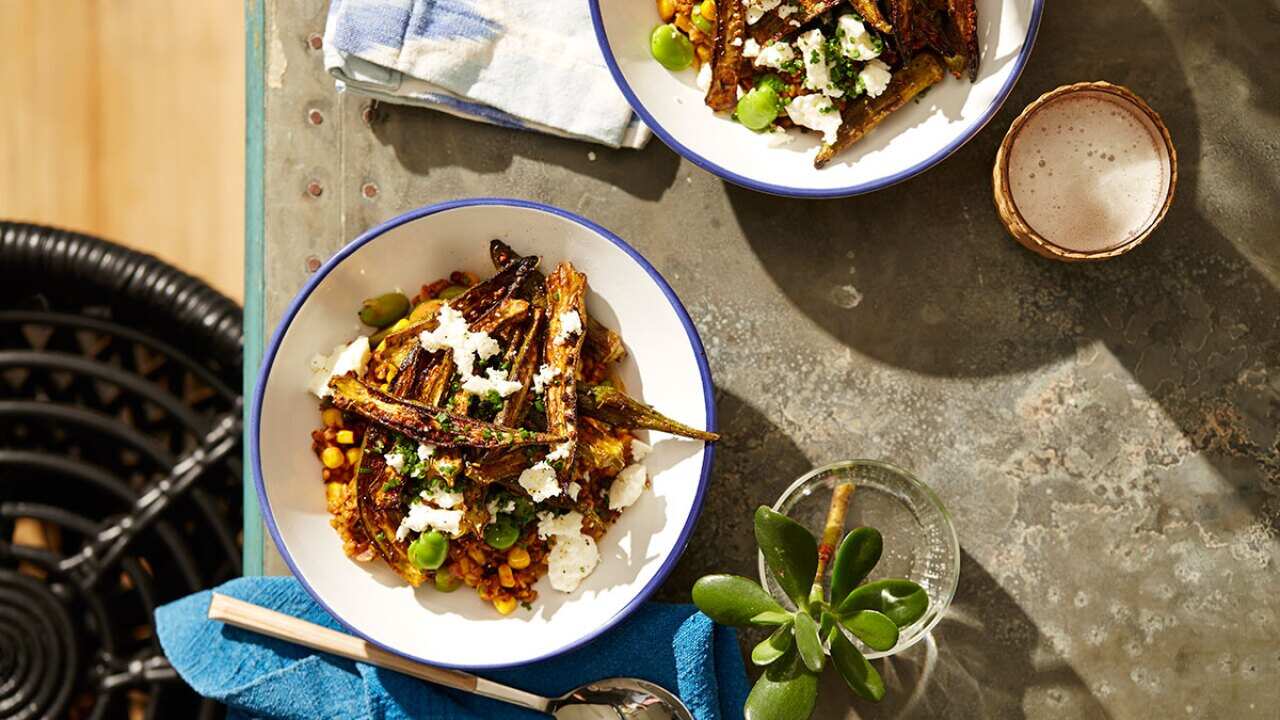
(525,64)
(258,677)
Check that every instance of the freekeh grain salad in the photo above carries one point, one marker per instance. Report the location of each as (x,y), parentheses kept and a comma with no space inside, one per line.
(480,436)
(830,66)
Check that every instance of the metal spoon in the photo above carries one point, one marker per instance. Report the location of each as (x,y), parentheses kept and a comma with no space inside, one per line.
(611,699)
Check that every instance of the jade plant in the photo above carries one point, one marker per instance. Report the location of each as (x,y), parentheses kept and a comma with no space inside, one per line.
(796,652)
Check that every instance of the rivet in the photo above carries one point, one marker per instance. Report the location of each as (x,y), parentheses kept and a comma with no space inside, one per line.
(313,263)
(315,41)
(369,190)
(314,188)
(315,116)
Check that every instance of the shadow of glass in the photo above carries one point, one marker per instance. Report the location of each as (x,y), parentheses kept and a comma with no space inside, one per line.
(986,656)
(424,140)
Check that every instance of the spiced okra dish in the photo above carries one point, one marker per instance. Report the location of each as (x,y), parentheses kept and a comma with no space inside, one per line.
(479,436)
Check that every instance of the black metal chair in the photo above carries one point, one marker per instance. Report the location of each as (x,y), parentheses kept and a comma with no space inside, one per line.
(120,470)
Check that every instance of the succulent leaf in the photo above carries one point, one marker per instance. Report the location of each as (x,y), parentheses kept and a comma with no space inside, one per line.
(902,601)
(790,551)
(857,671)
(855,558)
(786,691)
(873,628)
(772,647)
(732,600)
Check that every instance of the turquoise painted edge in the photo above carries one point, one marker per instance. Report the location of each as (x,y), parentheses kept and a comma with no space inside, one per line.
(254,203)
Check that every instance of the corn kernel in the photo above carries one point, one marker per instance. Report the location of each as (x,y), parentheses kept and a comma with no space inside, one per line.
(708,9)
(332,417)
(504,604)
(332,458)
(345,437)
(683,22)
(476,554)
(666,9)
(505,578)
(518,558)
(704,52)
(353,456)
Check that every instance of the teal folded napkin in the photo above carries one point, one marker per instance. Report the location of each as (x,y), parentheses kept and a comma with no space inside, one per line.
(259,677)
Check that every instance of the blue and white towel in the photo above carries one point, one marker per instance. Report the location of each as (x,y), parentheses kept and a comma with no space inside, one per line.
(528,64)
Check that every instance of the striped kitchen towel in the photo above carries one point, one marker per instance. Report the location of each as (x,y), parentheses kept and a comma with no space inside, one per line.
(528,64)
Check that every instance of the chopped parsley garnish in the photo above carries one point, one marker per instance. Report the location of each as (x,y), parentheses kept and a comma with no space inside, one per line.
(844,72)
(539,405)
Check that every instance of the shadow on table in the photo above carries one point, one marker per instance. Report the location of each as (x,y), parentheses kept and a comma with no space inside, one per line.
(1187,314)
(985,659)
(989,655)
(755,461)
(425,139)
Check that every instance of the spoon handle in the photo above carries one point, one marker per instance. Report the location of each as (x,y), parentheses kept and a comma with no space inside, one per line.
(290,629)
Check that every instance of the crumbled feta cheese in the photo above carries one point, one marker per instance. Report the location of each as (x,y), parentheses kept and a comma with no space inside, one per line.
(855,42)
(757,8)
(573,490)
(353,357)
(817,74)
(875,77)
(570,325)
(559,452)
(550,524)
(751,48)
(815,112)
(737,42)
(779,136)
(787,11)
(452,333)
(626,488)
(422,517)
(704,77)
(395,461)
(639,450)
(442,498)
(775,55)
(545,374)
(495,508)
(425,451)
(571,560)
(495,381)
(540,481)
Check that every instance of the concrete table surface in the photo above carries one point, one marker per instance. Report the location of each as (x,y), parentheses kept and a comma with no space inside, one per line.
(1107,437)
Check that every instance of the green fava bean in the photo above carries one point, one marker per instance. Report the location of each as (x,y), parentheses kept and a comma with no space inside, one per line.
(772,81)
(758,108)
(671,48)
(429,551)
(701,22)
(451,292)
(447,581)
(383,310)
(501,535)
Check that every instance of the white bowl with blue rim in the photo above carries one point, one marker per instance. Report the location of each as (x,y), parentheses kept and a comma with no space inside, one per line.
(666,367)
(910,141)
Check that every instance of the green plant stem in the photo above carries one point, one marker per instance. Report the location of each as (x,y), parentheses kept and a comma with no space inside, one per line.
(831,533)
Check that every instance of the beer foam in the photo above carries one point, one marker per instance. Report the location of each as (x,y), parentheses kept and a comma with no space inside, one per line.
(1088,171)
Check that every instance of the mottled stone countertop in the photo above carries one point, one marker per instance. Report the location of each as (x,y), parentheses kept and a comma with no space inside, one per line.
(1107,437)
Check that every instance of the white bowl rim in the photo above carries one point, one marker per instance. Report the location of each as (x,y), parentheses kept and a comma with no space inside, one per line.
(264,372)
(1033,28)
